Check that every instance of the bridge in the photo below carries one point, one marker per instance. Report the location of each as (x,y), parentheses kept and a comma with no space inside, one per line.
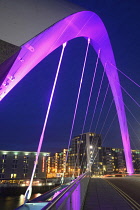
(90,193)
(28,49)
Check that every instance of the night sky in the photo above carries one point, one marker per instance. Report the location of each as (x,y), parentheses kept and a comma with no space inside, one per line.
(23,110)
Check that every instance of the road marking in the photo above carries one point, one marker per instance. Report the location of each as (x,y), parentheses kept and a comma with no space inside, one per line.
(127,197)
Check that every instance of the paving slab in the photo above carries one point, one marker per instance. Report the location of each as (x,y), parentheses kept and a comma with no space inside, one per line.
(102,196)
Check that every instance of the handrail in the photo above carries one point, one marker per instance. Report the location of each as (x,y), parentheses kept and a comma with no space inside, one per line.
(51,204)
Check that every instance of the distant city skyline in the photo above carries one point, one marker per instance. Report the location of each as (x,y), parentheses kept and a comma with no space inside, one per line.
(23,109)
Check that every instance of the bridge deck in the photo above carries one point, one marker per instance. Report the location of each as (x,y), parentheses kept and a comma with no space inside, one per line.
(102,196)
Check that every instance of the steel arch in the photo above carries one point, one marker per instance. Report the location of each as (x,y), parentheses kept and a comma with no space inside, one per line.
(82,24)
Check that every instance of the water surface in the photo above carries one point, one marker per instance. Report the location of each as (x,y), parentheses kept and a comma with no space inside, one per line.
(12,202)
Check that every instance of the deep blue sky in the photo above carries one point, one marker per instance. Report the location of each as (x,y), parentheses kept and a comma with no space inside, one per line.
(23,110)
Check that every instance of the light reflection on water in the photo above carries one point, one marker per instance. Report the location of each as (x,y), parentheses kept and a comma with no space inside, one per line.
(12,202)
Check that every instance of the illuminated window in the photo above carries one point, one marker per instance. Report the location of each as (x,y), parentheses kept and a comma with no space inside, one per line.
(43,164)
(25,175)
(13,176)
(26,157)
(3,161)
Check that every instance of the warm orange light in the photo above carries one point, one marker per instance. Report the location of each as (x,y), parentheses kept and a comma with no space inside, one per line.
(43,164)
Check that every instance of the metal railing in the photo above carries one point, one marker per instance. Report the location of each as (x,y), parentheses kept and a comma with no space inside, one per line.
(72,197)
(68,196)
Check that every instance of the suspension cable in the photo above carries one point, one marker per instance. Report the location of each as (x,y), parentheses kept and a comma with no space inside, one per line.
(131,114)
(98,118)
(133,143)
(102,107)
(106,116)
(77,101)
(104,124)
(133,130)
(92,153)
(130,96)
(85,150)
(104,137)
(91,89)
(29,189)
(126,76)
(96,101)
(109,127)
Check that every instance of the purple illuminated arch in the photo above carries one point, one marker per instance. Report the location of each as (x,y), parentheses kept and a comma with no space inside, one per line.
(82,24)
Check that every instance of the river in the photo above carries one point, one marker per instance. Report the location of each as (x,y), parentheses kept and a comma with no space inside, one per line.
(12,202)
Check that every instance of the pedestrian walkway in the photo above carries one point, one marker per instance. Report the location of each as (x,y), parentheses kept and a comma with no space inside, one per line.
(102,196)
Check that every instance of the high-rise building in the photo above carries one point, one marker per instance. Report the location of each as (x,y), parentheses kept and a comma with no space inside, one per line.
(112,161)
(82,153)
(57,165)
(136,160)
(86,153)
